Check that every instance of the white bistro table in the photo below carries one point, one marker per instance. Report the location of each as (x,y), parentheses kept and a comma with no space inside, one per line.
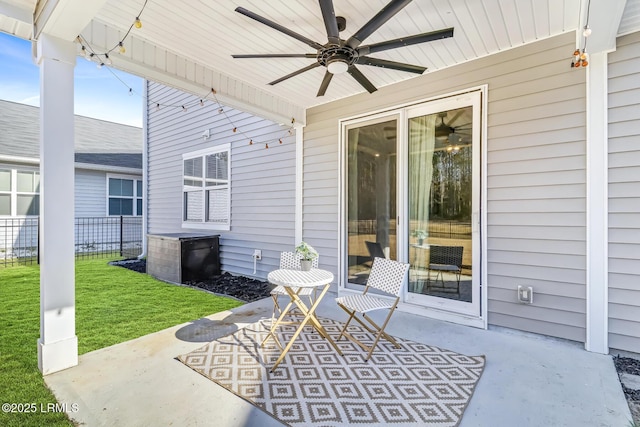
(293,282)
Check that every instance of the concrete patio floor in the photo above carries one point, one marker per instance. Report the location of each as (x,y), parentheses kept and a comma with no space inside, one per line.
(528,380)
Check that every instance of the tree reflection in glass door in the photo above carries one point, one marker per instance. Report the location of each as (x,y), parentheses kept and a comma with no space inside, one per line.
(440,204)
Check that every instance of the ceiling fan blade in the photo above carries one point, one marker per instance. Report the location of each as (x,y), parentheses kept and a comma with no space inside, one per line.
(455,117)
(276,55)
(406,41)
(330,22)
(325,83)
(377,21)
(361,79)
(295,73)
(383,63)
(279,27)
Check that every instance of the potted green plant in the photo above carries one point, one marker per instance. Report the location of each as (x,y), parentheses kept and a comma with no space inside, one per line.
(307,255)
(420,235)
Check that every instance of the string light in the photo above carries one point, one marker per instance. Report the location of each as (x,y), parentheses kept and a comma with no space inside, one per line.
(580,59)
(103,58)
(93,55)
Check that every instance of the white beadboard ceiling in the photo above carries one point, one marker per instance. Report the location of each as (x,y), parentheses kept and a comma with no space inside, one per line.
(208,32)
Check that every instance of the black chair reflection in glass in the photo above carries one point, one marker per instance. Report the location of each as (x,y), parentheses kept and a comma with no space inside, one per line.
(375,250)
(444,259)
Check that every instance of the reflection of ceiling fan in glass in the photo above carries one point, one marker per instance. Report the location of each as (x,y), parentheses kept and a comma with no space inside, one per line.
(452,138)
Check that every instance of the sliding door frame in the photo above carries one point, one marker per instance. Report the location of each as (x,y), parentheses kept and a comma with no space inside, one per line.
(479,217)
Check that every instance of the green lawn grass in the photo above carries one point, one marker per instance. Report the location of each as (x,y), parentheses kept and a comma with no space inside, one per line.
(113,305)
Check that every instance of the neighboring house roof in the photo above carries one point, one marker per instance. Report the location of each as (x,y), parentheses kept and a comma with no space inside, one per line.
(97,142)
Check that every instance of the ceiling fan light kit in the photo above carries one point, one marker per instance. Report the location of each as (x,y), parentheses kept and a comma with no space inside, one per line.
(337,66)
(341,55)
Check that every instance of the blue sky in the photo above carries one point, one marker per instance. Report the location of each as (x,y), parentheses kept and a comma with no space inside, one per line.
(98,93)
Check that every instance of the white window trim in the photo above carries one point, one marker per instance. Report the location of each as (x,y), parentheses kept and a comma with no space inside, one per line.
(204,224)
(135,197)
(13,191)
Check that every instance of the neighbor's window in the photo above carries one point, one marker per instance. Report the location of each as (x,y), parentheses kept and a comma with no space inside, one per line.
(19,192)
(27,198)
(125,196)
(206,188)
(5,192)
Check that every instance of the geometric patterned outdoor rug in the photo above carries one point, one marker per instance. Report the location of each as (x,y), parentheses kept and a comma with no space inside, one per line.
(415,385)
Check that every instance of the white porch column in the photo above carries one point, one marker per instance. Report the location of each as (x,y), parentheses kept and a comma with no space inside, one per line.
(597,205)
(58,344)
(299,182)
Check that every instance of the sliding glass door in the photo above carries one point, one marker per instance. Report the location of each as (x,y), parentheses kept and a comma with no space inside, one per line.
(443,204)
(413,194)
(371,194)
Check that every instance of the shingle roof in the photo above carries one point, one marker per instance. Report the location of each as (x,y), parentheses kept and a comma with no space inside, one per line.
(96,141)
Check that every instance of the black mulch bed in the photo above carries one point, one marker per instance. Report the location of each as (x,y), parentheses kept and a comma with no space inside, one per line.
(240,287)
(630,366)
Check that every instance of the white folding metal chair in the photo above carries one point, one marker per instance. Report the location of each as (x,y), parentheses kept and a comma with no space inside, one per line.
(387,276)
(291,261)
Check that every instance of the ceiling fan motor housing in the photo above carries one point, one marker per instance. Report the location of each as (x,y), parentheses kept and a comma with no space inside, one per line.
(334,53)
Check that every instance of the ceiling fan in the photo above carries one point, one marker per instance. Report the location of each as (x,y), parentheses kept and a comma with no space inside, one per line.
(339,55)
(446,130)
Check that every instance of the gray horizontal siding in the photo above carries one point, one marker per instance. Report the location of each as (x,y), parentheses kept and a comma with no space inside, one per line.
(536,178)
(91,193)
(262,180)
(624,194)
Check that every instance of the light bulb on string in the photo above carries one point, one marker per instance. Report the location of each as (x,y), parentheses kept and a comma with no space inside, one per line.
(280,140)
(100,65)
(184,108)
(235,130)
(251,142)
(266,145)
(583,56)
(107,59)
(201,103)
(157,107)
(587,31)
(130,91)
(137,23)
(122,48)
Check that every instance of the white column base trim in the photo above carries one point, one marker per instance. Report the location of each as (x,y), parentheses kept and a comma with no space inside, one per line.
(56,356)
